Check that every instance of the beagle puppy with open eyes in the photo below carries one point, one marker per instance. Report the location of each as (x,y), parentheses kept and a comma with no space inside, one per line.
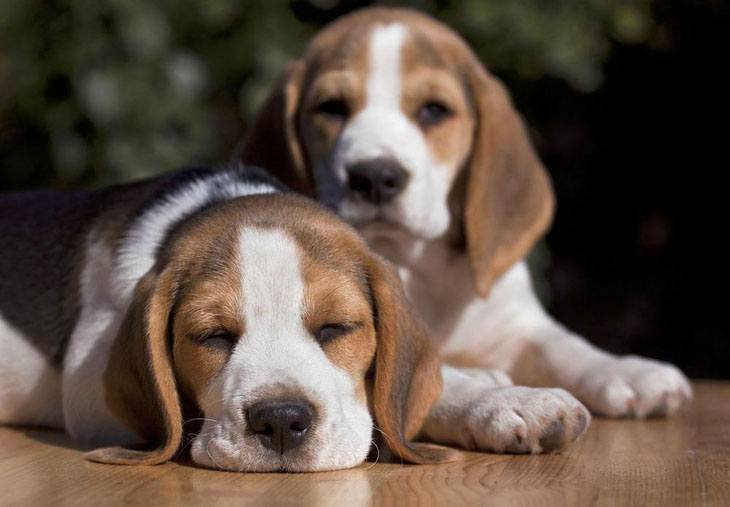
(213,296)
(390,120)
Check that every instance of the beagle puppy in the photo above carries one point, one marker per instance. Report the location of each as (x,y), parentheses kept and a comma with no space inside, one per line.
(208,297)
(390,120)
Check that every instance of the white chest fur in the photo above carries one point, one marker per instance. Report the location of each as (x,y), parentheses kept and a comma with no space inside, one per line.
(439,283)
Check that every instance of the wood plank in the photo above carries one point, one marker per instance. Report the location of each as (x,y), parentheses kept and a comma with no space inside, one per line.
(683,461)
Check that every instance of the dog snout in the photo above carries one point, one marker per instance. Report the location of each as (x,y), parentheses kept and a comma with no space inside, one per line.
(281,425)
(377,180)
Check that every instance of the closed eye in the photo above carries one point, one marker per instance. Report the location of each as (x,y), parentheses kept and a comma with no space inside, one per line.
(218,338)
(329,332)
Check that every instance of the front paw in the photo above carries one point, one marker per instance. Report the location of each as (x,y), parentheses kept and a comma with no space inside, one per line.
(519,420)
(634,387)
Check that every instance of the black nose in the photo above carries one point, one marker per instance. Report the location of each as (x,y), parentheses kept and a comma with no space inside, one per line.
(377,180)
(280,425)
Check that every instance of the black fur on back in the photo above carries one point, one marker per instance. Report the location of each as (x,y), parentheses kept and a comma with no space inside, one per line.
(43,233)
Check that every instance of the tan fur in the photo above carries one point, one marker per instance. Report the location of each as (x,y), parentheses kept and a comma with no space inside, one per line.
(407,370)
(431,67)
(334,297)
(508,203)
(509,199)
(211,302)
(275,126)
(140,383)
(407,378)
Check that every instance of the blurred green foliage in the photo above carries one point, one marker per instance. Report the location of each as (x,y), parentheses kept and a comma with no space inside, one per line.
(98,91)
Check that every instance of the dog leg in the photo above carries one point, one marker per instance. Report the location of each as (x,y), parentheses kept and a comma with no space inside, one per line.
(537,351)
(481,410)
(610,385)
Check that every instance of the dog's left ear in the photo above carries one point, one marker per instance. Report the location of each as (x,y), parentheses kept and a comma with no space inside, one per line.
(509,199)
(139,380)
(272,141)
(407,370)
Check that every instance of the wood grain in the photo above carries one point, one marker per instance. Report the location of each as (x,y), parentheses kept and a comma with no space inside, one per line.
(683,461)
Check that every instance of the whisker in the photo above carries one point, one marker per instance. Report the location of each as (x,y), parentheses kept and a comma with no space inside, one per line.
(377,456)
(200,419)
(207,451)
(387,439)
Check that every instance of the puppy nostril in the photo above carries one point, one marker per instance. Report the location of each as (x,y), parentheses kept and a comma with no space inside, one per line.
(298,426)
(390,183)
(280,425)
(360,183)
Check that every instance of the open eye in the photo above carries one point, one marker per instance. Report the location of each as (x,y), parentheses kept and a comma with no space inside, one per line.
(329,332)
(218,338)
(433,112)
(335,108)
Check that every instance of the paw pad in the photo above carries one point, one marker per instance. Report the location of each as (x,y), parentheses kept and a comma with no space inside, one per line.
(552,437)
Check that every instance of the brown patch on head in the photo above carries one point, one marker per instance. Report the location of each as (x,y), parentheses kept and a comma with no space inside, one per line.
(431,79)
(207,324)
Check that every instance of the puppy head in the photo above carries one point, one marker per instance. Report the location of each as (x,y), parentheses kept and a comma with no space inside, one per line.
(384,114)
(269,320)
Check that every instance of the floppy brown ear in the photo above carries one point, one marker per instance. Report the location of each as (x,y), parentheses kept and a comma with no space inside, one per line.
(139,381)
(272,141)
(407,370)
(509,198)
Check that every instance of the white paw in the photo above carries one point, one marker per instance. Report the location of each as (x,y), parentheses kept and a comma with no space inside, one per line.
(514,420)
(634,387)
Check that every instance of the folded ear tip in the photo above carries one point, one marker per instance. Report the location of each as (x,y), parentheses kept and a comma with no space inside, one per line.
(432,454)
(106,455)
(123,456)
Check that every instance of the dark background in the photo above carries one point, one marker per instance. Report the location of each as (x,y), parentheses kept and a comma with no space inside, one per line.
(626,100)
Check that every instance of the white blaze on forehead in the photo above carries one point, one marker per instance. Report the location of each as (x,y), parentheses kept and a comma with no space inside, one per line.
(272,285)
(384,77)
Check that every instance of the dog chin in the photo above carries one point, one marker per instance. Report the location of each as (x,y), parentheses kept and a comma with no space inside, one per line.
(383,228)
(373,222)
(221,454)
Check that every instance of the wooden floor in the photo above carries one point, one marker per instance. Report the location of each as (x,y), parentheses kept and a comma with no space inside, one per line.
(683,461)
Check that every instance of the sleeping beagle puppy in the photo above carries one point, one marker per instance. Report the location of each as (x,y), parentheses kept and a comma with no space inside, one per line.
(390,119)
(210,297)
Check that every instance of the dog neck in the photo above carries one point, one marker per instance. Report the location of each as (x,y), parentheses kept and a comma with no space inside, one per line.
(435,273)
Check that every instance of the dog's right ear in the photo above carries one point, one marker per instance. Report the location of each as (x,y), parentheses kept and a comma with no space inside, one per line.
(272,141)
